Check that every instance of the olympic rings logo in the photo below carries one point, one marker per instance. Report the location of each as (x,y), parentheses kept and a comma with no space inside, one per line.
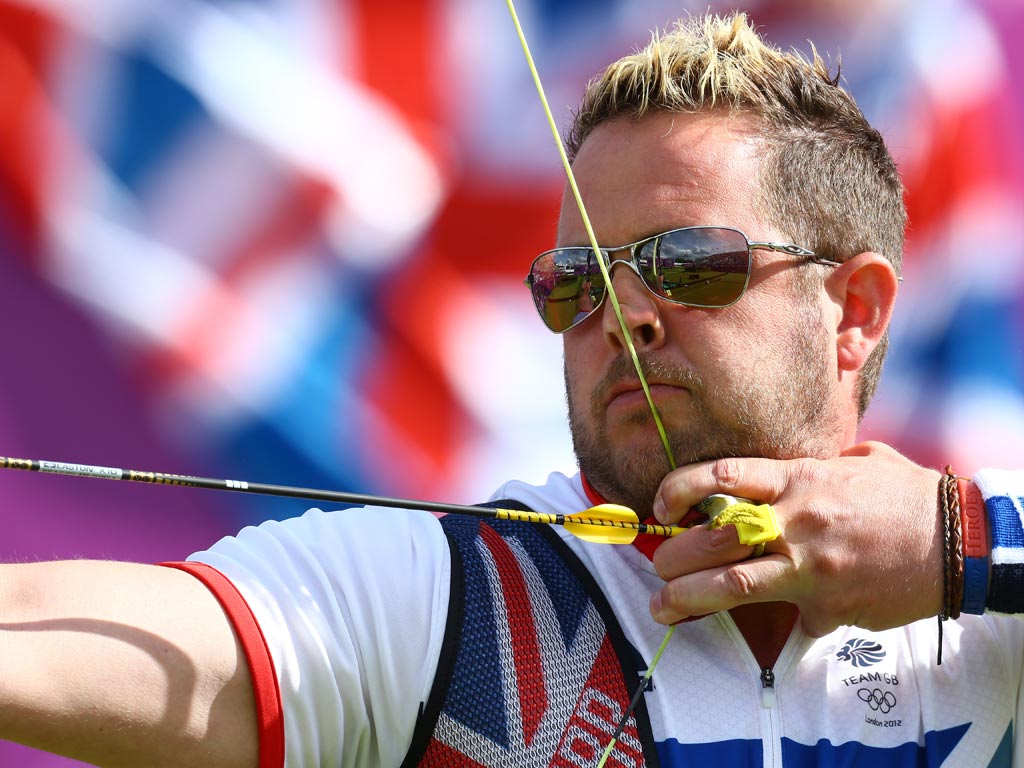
(877,700)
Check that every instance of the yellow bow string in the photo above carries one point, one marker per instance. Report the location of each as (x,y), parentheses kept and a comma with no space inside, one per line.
(613,299)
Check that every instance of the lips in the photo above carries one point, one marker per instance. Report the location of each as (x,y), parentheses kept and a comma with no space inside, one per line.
(626,392)
(621,385)
(623,388)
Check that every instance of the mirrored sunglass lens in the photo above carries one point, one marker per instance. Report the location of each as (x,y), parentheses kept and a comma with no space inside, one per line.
(566,287)
(705,267)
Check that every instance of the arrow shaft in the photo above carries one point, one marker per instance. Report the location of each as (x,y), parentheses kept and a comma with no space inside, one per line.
(317,494)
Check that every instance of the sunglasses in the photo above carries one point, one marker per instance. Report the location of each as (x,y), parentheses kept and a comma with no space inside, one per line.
(693,266)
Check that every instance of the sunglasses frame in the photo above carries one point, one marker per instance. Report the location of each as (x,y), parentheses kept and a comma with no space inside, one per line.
(790,249)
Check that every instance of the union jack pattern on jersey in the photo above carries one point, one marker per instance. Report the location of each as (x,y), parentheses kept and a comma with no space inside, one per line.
(535,671)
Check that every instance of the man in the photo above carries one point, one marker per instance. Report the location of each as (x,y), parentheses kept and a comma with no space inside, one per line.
(766,222)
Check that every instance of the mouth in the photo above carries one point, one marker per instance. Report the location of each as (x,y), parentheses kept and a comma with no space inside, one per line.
(630,393)
(623,388)
(620,389)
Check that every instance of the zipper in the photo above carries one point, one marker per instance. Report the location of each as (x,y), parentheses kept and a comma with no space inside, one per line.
(768,698)
(770,723)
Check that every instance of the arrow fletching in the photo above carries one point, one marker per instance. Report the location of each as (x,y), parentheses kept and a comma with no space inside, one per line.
(604,524)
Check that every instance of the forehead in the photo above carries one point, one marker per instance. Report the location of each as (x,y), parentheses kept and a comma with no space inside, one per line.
(665,170)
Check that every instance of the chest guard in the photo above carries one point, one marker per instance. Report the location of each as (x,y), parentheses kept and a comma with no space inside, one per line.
(534,669)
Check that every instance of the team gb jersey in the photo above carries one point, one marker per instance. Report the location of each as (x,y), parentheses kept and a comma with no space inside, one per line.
(347,625)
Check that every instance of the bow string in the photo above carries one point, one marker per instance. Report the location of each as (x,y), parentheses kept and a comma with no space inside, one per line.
(605,268)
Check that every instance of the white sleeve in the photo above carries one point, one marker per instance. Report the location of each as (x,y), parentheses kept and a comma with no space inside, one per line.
(352,605)
(1003,491)
(1000,482)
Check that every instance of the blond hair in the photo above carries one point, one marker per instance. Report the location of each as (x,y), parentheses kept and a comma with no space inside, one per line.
(827,179)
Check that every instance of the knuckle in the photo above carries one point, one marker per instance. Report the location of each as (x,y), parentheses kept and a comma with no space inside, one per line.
(673,596)
(825,570)
(718,540)
(726,473)
(805,471)
(740,583)
(816,518)
(672,490)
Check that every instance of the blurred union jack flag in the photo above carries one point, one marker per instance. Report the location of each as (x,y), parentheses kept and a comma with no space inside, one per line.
(283,240)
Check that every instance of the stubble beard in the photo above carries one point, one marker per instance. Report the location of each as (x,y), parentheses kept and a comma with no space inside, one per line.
(778,417)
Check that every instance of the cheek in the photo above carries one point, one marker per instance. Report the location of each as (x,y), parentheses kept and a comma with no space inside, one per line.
(574,373)
(734,346)
(580,356)
(702,338)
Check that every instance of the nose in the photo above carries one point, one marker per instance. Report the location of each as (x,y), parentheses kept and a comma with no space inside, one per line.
(641,312)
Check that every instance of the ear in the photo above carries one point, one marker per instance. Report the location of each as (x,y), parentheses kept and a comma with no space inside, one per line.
(863,291)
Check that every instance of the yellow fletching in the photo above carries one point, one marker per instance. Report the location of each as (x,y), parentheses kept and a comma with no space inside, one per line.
(604,524)
(611,512)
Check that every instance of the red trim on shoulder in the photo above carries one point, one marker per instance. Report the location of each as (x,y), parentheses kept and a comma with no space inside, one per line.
(645,542)
(269,716)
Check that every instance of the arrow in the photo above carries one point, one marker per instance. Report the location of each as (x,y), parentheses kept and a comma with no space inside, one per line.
(603,524)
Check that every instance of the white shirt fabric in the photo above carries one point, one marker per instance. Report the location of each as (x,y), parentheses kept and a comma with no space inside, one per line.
(353,606)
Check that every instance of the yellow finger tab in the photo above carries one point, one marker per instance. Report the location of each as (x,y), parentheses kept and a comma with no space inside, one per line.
(755,523)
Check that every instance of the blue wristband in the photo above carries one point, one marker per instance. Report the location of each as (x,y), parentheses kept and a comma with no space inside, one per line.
(975,584)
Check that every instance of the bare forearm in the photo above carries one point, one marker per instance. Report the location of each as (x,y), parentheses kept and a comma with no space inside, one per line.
(121,665)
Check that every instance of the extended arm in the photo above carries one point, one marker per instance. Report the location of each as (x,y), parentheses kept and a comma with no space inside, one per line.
(120,664)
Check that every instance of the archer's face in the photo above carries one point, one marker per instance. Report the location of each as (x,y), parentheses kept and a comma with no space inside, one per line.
(755,378)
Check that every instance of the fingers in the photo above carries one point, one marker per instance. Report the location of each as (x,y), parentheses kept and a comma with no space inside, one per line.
(698,549)
(759,580)
(762,480)
(854,528)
